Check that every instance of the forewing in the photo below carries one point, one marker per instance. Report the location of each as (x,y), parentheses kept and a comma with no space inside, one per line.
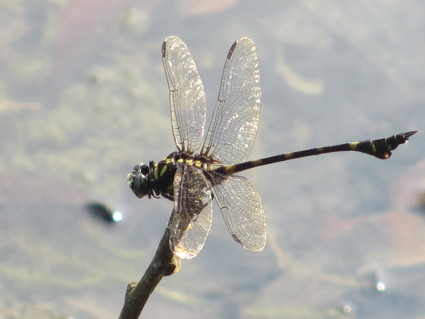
(243,212)
(186,92)
(233,128)
(192,213)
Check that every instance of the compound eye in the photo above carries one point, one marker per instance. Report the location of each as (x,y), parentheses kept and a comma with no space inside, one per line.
(144,169)
(138,180)
(140,186)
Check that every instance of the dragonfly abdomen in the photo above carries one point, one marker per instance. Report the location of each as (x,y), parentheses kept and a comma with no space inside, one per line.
(380,148)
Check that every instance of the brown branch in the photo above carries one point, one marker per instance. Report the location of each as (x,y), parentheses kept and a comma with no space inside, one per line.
(164,263)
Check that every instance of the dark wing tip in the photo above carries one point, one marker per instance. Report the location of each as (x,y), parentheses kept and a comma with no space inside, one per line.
(171,38)
(164,48)
(232,49)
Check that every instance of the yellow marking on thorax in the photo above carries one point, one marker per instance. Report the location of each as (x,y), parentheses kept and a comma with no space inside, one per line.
(155,172)
(163,170)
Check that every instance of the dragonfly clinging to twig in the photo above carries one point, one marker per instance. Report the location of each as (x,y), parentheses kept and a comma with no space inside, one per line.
(205,164)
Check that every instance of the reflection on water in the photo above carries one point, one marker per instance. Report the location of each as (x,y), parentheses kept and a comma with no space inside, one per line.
(83,97)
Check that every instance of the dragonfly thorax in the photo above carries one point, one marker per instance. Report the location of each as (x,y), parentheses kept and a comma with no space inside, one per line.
(156,179)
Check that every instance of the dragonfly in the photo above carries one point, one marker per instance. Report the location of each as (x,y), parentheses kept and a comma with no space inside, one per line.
(206,164)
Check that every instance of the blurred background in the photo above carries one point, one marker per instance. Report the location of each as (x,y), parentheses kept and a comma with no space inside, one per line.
(83,98)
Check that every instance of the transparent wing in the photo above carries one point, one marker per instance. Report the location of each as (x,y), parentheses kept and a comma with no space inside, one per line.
(187,96)
(242,210)
(192,216)
(233,127)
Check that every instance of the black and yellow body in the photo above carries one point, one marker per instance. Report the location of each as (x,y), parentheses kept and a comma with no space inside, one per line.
(379,148)
(206,162)
(158,178)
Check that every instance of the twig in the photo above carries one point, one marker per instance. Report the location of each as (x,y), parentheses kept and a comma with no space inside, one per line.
(164,263)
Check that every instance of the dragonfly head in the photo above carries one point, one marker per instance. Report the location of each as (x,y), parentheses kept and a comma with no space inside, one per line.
(138,180)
